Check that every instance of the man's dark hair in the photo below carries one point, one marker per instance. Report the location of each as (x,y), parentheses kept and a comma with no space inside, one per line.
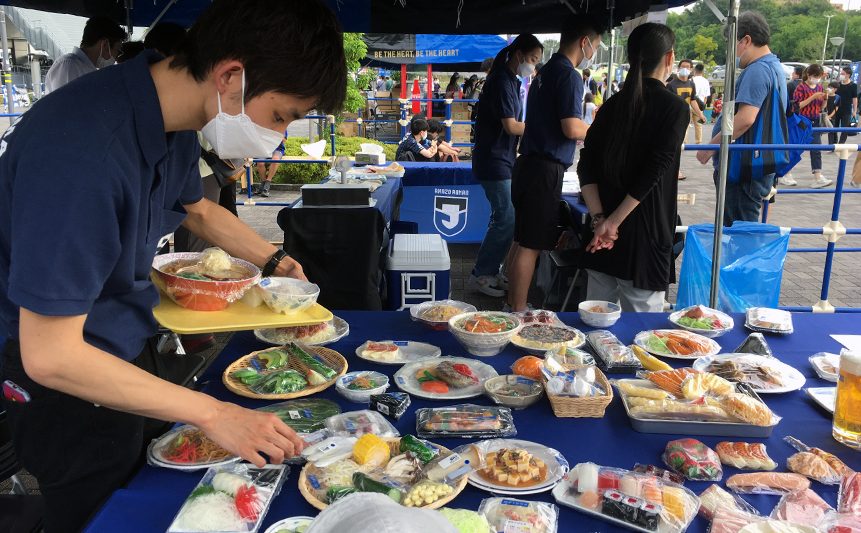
(577,28)
(847,70)
(435,126)
(753,24)
(418,125)
(688,61)
(799,71)
(303,54)
(700,68)
(834,85)
(98,28)
(813,69)
(486,64)
(165,37)
(129,50)
(586,72)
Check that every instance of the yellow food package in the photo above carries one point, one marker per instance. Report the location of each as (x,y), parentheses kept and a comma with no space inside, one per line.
(371,449)
(674,503)
(648,361)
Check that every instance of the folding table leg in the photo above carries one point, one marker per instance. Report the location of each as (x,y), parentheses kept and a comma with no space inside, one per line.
(570,290)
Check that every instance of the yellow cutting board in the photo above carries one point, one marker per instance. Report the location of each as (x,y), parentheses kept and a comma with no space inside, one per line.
(237,317)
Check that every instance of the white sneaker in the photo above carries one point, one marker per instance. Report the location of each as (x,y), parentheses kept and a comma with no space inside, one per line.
(821,182)
(502,281)
(486,285)
(787,180)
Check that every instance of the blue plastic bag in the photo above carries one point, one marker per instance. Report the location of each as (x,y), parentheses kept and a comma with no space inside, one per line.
(752,260)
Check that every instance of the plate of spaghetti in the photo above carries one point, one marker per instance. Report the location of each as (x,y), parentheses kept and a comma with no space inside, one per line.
(187,448)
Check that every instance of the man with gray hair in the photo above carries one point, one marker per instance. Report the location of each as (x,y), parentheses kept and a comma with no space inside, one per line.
(762,76)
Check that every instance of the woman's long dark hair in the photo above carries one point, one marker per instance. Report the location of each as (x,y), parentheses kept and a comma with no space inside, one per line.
(647,46)
(525,42)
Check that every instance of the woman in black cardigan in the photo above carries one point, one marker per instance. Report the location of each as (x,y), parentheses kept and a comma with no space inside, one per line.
(627,172)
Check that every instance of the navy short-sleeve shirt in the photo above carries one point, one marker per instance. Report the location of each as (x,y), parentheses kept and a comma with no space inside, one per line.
(495,150)
(89,183)
(556,94)
(410,144)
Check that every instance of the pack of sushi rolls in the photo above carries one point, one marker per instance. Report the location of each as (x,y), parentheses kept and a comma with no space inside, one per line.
(232,498)
(642,501)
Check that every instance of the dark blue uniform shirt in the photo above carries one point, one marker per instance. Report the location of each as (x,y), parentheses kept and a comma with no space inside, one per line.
(556,94)
(495,150)
(80,220)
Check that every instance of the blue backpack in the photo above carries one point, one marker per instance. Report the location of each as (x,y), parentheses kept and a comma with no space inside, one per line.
(800,131)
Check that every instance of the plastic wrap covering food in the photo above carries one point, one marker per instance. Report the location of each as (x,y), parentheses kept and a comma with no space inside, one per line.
(579,383)
(714,498)
(840,523)
(676,343)
(811,465)
(768,320)
(569,357)
(511,466)
(203,286)
(849,499)
(803,507)
(693,459)
(509,514)
(230,498)
(304,415)
(826,365)
(393,404)
(745,455)
(637,501)
(839,467)
(358,423)
(755,343)
(465,421)
(731,520)
(612,355)
(778,483)
(703,320)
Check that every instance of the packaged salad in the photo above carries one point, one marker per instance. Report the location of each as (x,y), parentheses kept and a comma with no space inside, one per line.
(230,498)
(465,421)
(611,354)
(693,459)
(509,514)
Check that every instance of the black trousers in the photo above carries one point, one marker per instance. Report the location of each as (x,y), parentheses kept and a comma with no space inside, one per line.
(79,453)
(840,121)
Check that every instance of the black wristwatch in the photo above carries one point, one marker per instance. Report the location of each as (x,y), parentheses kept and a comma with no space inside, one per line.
(273,262)
(596,218)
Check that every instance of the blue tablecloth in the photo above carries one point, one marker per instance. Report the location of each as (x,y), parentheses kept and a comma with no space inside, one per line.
(155,495)
(419,173)
(578,208)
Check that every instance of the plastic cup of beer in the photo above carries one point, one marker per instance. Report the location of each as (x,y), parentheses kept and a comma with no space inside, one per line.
(846,428)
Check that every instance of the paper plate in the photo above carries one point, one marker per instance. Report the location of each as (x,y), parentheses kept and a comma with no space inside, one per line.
(826,365)
(792,379)
(274,336)
(290,524)
(557,467)
(710,333)
(410,352)
(642,338)
(405,379)
(825,397)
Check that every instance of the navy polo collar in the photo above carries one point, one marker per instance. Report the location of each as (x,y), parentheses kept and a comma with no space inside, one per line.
(147,109)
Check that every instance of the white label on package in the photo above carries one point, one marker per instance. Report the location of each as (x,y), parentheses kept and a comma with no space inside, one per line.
(401,343)
(383,408)
(294,415)
(516,526)
(448,461)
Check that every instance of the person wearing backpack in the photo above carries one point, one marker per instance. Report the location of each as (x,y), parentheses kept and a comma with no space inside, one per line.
(761,111)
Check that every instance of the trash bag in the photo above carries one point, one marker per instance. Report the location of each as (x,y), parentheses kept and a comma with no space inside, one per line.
(752,260)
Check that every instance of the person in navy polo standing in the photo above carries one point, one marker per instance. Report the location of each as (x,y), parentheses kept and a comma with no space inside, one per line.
(79,229)
(554,124)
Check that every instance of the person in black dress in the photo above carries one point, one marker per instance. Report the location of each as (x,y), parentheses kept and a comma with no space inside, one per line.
(627,171)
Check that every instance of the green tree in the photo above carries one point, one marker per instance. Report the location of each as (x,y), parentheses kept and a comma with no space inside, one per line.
(355,51)
(550,46)
(704,47)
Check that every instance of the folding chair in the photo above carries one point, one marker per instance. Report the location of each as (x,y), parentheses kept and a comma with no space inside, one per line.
(566,261)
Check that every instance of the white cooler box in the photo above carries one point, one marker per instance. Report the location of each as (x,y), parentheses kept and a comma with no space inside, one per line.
(418,269)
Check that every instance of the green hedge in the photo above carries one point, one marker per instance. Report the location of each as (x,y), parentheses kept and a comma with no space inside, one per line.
(313,173)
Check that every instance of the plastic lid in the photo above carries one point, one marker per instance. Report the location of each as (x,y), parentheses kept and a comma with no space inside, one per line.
(412,252)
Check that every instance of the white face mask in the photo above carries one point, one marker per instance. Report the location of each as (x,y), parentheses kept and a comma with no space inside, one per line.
(842,78)
(237,136)
(586,62)
(101,62)
(684,72)
(525,69)
(424,136)
(813,81)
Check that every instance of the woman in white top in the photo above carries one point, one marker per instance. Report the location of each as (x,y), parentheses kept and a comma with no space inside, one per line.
(589,108)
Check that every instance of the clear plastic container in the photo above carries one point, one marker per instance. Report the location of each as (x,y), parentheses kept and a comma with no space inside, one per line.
(358,423)
(768,320)
(288,295)
(465,421)
(361,393)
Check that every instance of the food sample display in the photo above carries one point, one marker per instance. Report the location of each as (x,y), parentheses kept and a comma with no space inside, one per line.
(849,499)
(569,357)
(465,520)
(755,343)
(358,423)
(449,378)
(284,373)
(528,366)
(543,336)
(484,333)
(826,365)
(393,404)
(745,455)
(517,392)
(517,467)
(833,461)
(659,472)
(612,355)
(305,415)
(763,374)
(538,316)
(230,498)
(395,467)
(693,459)
(520,516)
(188,448)
(669,380)
(294,524)
(437,314)
(287,296)
(714,498)
(465,421)
(703,320)
(206,281)
(811,465)
(768,320)
(313,335)
(636,501)
(674,343)
(360,386)
(513,467)
(649,361)
(804,507)
(397,352)
(778,483)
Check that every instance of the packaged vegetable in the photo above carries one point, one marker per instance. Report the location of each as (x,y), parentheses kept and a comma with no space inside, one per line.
(693,459)
(334,494)
(427,492)
(612,355)
(465,421)
(393,404)
(233,498)
(422,450)
(404,468)
(371,449)
(365,483)
(803,507)
(466,521)
(778,483)
(714,498)
(676,343)
(702,318)
(283,381)
(509,514)
(528,366)
(768,320)
(358,423)
(304,415)
(310,362)
(329,451)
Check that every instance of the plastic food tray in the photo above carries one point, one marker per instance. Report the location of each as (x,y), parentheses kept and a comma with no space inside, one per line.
(237,317)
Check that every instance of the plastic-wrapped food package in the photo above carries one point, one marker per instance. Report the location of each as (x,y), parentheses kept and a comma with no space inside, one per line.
(231,498)
(304,415)
(509,514)
(833,461)
(754,343)
(849,500)
(465,421)
(693,459)
(658,472)
(358,423)
(815,467)
(768,320)
(187,448)
(393,404)
(803,507)
(465,520)
(200,286)
(826,365)
(569,357)
(732,520)
(580,382)
(745,455)
(612,355)
(778,483)
(714,498)
(840,523)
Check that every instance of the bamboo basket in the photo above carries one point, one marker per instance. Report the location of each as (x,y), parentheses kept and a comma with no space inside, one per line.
(330,357)
(588,407)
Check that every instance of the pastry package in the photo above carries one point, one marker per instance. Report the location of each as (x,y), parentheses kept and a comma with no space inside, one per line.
(693,460)
(839,467)
(714,498)
(465,421)
(230,498)
(804,507)
(611,354)
(638,501)
(768,320)
(745,455)
(778,483)
(520,516)
(358,423)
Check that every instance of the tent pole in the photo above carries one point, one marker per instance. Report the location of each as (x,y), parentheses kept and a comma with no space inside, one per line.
(403,81)
(610,74)
(727,118)
(160,16)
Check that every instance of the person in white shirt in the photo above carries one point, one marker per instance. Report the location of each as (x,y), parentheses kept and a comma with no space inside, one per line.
(703,91)
(100,46)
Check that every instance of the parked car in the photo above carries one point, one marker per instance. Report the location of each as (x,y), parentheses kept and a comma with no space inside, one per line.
(718,72)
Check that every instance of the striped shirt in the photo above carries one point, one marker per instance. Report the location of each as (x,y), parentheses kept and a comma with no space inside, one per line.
(802,93)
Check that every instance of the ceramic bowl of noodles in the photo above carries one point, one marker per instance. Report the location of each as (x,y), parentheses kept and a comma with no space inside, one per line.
(203,281)
(484,333)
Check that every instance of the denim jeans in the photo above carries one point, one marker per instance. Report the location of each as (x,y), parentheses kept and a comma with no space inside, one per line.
(816,156)
(743,200)
(500,229)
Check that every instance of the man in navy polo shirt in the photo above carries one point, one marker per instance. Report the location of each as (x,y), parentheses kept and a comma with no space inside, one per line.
(554,124)
(79,229)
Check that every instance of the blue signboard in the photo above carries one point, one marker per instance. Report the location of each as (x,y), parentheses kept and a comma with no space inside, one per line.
(856,71)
